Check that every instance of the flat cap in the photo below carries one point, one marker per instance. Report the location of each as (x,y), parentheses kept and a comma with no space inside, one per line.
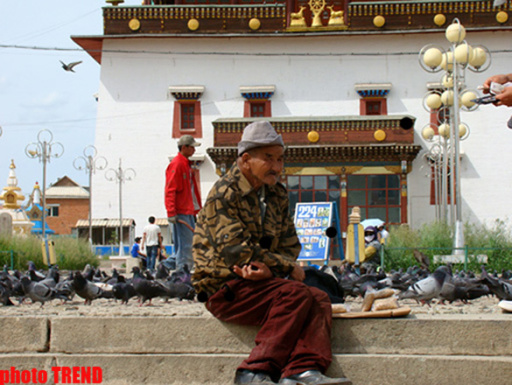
(259,134)
(188,140)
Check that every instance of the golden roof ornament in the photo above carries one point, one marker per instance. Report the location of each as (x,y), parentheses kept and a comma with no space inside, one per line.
(11,194)
(317,7)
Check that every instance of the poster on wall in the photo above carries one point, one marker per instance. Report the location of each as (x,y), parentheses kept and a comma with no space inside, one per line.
(311,222)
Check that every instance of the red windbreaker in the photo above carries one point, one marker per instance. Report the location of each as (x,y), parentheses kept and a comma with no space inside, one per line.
(178,190)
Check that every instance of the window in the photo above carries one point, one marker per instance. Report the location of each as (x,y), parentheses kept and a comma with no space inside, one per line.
(187,116)
(257,101)
(187,111)
(373,98)
(257,110)
(52,211)
(378,196)
(373,107)
(313,188)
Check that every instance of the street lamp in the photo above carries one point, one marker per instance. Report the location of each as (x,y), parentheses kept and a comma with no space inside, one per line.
(454,97)
(90,162)
(44,149)
(120,176)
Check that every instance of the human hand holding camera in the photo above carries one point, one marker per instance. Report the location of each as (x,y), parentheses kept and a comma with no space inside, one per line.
(499,88)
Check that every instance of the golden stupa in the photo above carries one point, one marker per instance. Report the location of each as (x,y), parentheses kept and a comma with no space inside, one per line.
(13,198)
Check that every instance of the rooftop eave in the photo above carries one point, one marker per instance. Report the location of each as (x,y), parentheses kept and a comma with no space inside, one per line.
(334,154)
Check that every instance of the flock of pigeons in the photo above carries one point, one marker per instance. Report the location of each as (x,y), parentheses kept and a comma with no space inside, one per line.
(416,283)
(90,284)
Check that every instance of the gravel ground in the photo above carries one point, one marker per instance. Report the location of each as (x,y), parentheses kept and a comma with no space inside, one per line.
(175,308)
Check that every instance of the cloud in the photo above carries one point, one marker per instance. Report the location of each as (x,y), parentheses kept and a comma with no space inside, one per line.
(53,99)
(4,85)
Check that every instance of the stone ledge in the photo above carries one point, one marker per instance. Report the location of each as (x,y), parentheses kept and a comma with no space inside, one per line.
(218,369)
(24,334)
(411,335)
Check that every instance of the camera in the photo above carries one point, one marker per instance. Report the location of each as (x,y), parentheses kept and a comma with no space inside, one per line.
(485,99)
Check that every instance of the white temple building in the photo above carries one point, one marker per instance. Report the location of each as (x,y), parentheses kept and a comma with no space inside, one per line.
(337,79)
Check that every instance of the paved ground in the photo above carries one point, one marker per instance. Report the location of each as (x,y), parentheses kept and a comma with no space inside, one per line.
(175,308)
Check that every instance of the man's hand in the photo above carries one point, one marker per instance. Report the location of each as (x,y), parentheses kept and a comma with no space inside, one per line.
(505,97)
(297,273)
(172,219)
(254,271)
(500,79)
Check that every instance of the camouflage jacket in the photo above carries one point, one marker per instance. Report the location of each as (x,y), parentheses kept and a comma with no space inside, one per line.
(229,231)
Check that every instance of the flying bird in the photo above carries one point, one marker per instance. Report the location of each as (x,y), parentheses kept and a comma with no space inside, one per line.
(70,66)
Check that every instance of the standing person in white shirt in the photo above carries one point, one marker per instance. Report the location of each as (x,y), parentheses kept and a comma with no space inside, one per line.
(152,239)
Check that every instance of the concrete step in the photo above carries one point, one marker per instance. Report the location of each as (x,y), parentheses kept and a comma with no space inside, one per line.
(218,369)
(421,349)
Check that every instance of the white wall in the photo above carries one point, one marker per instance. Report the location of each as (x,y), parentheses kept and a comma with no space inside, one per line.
(135,110)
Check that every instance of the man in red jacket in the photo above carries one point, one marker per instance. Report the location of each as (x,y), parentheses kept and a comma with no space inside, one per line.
(182,201)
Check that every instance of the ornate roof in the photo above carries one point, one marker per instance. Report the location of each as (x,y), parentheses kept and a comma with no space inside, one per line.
(293,18)
(333,155)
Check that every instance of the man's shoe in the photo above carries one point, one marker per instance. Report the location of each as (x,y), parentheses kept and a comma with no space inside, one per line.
(313,377)
(246,377)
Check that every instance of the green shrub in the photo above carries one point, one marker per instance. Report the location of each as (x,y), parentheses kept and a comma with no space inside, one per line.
(71,254)
(436,238)
(397,252)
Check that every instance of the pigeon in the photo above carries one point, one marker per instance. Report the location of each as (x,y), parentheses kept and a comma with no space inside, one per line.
(427,288)
(114,278)
(123,290)
(147,289)
(88,290)
(499,287)
(33,273)
(179,290)
(37,291)
(51,279)
(65,288)
(422,259)
(162,272)
(70,66)
(182,275)
(5,293)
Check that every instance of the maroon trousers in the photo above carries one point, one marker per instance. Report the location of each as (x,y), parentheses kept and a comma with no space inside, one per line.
(295,320)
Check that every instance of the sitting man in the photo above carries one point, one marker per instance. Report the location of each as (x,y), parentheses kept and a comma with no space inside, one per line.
(136,253)
(372,244)
(245,247)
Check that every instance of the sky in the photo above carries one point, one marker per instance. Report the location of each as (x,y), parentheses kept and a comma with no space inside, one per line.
(37,94)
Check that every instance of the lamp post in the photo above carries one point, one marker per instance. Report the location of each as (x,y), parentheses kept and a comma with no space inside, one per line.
(44,149)
(448,102)
(120,176)
(90,162)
